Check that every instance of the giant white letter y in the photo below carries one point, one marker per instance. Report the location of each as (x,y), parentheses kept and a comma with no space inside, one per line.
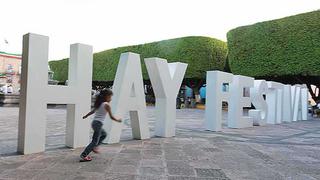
(166,80)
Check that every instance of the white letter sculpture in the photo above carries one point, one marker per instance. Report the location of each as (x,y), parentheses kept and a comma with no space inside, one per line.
(297,115)
(238,101)
(274,101)
(295,103)
(287,104)
(304,102)
(36,94)
(214,98)
(300,106)
(259,114)
(128,96)
(166,79)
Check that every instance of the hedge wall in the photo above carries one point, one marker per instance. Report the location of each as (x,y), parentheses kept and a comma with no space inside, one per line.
(201,53)
(287,46)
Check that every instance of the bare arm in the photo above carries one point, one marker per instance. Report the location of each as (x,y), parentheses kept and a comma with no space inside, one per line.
(89,114)
(108,109)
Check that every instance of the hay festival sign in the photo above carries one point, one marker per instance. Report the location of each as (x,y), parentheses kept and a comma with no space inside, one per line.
(283,103)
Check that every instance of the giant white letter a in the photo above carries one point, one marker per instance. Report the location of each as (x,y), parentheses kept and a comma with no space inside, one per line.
(128,96)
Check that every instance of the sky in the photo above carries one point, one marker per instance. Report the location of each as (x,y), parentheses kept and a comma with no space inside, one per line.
(107,24)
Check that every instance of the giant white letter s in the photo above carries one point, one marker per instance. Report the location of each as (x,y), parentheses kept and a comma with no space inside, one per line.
(238,101)
(259,114)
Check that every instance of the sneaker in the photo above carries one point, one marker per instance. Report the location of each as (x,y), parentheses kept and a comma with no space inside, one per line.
(85,159)
(96,150)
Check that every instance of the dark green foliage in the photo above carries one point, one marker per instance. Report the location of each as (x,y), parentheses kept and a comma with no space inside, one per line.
(60,69)
(201,53)
(287,46)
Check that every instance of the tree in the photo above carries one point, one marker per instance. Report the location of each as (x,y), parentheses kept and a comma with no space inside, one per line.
(287,50)
(200,53)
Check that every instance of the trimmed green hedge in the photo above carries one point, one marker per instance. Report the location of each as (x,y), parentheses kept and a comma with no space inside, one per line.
(287,46)
(201,53)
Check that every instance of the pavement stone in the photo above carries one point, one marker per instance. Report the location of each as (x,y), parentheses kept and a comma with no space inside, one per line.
(182,171)
(211,173)
(111,176)
(151,163)
(19,174)
(156,171)
(124,169)
(151,177)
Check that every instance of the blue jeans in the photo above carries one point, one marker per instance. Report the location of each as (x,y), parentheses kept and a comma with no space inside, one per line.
(99,134)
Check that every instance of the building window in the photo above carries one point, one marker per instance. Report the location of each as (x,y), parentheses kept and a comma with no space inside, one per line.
(10,69)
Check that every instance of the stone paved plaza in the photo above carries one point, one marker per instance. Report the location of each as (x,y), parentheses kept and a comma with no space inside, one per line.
(287,151)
